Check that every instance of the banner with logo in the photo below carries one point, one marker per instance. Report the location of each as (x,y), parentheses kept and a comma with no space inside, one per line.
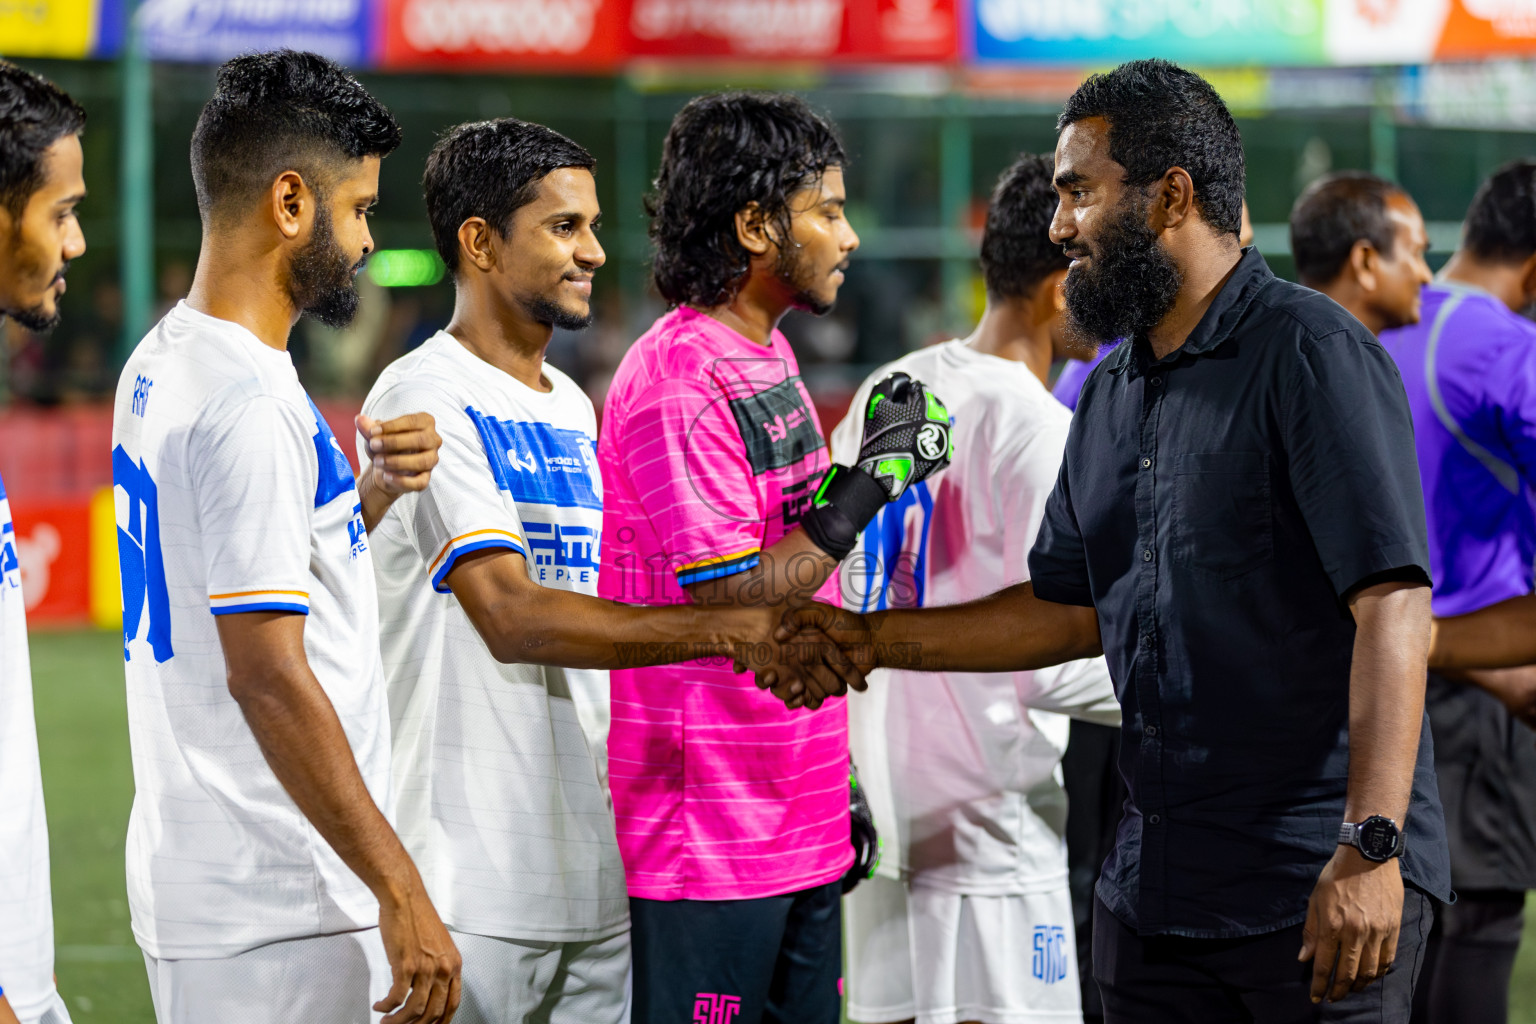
(507,35)
(47,28)
(1210,32)
(214,30)
(1420,31)
(861,30)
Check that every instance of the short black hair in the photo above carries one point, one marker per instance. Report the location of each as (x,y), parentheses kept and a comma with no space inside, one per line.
(489,169)
(1016,248)
(1162,116)
(34,114)
(278,111)
(1332,214)
(723,152)
(1501,222)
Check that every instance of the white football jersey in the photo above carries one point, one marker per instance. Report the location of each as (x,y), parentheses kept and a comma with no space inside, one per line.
(26,913)
(233,496)
(962,769)
(498,769)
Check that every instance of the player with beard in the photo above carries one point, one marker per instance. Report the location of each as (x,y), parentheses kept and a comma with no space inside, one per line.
(1361,241)
(1237,525)
(265,882)
(40,186)
(487,592)
(733,814)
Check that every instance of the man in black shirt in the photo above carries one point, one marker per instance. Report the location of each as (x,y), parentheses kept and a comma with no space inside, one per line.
(1238,525)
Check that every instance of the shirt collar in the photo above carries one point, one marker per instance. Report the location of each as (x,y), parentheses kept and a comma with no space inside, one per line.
(1249,277)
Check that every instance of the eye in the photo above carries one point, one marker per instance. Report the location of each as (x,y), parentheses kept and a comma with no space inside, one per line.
(1078,194)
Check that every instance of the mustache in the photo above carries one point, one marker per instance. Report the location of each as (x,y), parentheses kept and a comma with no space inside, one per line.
(63,269)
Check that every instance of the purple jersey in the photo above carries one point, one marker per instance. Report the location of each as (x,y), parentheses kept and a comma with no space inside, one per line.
(1069,383)
(1469,367)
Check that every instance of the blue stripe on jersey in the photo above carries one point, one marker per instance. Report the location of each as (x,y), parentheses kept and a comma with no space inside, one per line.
(539,463)
(261,606)
(899,576)
(714,571)
(335,471)
(459,552)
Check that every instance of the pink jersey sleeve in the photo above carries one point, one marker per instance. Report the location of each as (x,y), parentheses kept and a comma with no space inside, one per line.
(693,480)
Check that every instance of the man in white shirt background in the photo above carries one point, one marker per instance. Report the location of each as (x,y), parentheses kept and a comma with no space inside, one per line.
(265,881)
(968,916)
(41,183)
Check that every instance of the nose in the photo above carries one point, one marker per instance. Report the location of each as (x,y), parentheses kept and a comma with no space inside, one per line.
(590,253)
(850,238)
(1062,227)
(74,241)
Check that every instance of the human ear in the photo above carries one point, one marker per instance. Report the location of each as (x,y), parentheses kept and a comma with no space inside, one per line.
(752,232)
(1177,197)
(1365,263)
(1528,279)
(476,244)
(289,200)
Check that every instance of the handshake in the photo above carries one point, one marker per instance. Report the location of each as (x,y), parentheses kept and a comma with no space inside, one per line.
(818,651)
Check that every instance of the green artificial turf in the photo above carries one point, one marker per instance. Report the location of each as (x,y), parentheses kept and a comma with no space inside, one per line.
(88,782)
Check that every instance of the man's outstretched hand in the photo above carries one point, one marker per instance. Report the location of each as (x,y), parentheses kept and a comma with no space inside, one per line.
(1353,919)
(402,455)
(821,652)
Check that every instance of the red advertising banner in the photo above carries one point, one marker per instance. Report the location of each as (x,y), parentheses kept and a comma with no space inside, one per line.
(854,30)
(508,35)
(596,35)
(53,542)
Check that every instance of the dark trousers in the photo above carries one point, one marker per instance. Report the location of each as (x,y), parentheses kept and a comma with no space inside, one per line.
(1253,980)
(1470,959)
(773,960)
(1095,802)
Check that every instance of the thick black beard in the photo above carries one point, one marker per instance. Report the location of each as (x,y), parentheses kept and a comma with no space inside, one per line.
(793,270)
(322,277)
(543,311)
(1128,285)
(35,320)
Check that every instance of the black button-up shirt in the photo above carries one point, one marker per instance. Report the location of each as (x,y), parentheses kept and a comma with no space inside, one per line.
(1215,507)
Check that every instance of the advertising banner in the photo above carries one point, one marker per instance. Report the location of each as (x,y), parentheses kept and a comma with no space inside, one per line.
(1210,32)
(215,30)
(509,35)
(47,28)
(53,543)
(1420,31)
(859,30)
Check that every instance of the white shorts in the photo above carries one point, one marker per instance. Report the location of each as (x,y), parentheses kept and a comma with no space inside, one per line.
(327,979)
(943,958)
(509,981)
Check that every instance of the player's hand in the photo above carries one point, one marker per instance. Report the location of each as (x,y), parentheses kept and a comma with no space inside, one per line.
(1352,924)
(822,652)
(403,451)
(423,960)
(906,434)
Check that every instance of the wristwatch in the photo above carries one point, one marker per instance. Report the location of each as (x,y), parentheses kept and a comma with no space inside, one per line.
(1377,838)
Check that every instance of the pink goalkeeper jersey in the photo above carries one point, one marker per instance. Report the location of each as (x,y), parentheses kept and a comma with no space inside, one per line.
(710,451)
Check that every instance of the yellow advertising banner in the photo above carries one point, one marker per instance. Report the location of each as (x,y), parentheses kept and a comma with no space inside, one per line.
(47,28)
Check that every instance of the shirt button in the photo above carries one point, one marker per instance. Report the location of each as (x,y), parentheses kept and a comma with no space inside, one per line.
(1150,730)
(1146,640)
(1155,819)
(1157,382)
(1146,463)
(1146,556)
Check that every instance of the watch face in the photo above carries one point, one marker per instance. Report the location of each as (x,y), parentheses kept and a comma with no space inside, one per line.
(1378,838)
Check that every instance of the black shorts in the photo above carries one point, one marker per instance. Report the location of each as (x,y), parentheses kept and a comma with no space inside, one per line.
(774,960)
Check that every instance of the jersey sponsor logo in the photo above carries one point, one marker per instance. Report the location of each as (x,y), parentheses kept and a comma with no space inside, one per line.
(562,553)
(890,567)
(710,1008)
(141,386)
(335,477)
(357,531)
(10,564)
(1049,963)
(146,599)
(539,463)
(776,427)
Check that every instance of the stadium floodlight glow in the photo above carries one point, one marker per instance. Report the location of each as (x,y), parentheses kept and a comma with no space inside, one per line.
(405,268)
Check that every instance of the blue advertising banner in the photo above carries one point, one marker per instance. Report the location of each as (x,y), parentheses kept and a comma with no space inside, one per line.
(215,30)
(1088,32)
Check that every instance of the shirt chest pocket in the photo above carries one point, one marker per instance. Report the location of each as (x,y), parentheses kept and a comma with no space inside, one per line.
(1222,517)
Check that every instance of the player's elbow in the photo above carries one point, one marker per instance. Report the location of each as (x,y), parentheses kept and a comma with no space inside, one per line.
(252,682)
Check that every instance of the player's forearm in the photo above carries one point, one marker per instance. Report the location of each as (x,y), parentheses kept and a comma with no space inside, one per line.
(374,499)
(540,626)
(787,574)
(1499,636)
(1009,631)
(1386,697)
(302,740)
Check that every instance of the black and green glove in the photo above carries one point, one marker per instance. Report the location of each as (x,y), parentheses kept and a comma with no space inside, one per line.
(907,438)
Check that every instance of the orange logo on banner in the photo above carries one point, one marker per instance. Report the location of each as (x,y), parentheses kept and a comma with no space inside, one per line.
(1478,28)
